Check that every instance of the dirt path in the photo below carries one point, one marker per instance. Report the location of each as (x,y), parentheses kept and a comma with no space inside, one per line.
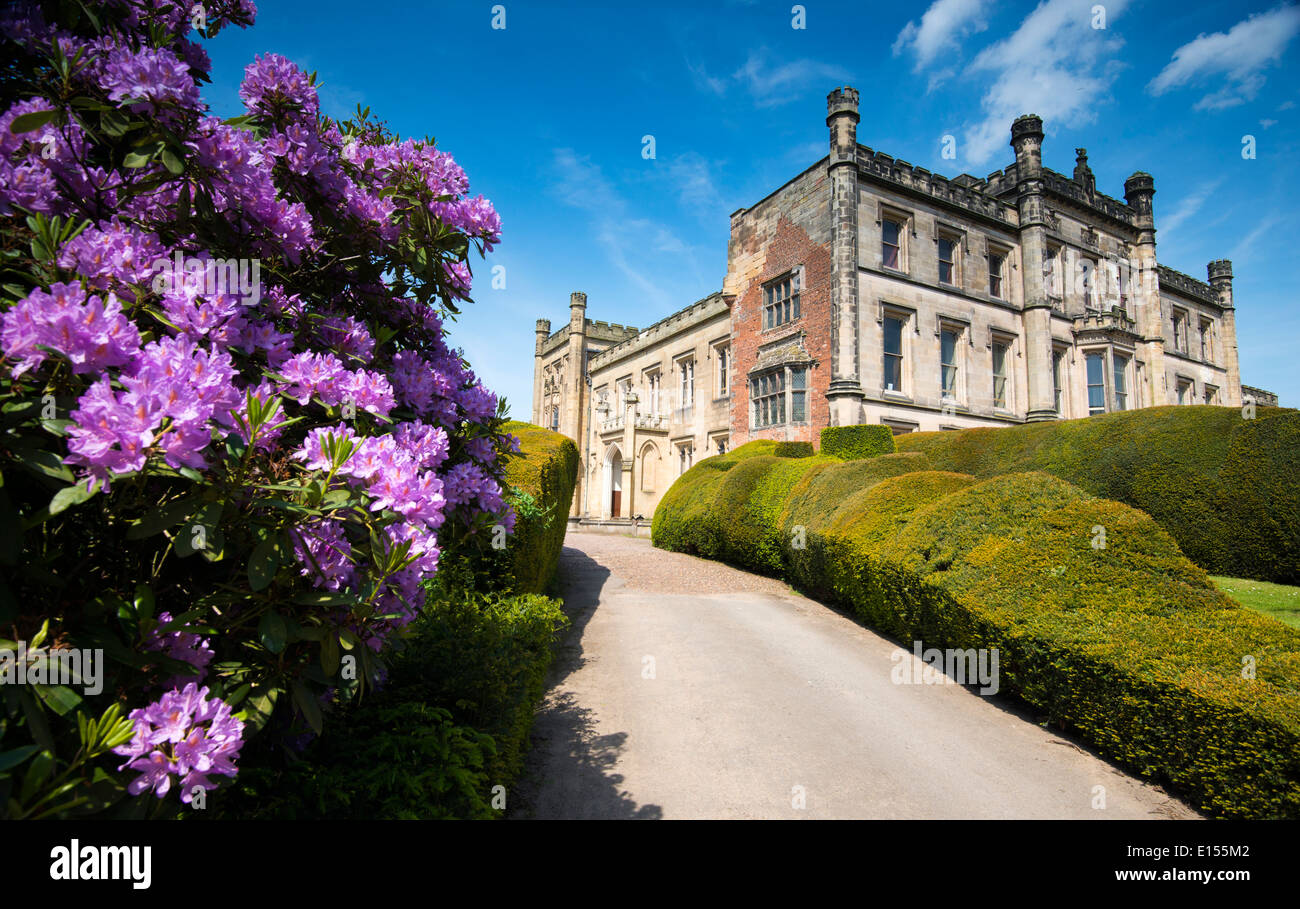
(671,700)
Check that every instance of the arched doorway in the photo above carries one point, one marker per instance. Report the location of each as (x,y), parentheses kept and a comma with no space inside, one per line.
(615,483)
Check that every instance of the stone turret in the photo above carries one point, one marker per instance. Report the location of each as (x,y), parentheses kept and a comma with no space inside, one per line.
(1027,141)
(543,332)
(573,420)
(1219,271)
(845,394)
(842,117)
(1138,192)
(1144,286)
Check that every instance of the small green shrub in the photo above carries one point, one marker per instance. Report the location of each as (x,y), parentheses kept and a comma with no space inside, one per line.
(451,723)
(862,441)
(402,760)
(793,450)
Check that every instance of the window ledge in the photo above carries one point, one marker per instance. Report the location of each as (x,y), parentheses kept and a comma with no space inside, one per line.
(895,396)
(782,326)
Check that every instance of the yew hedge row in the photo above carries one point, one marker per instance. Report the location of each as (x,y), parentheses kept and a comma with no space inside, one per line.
(1129,645)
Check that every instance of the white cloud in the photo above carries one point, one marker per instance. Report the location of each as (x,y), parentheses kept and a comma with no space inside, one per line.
(941,29)
(1266,123)
(1187,208)
(692,176)
(1246,249)
(770,84)
(1239,55)
(638,247)
(1055,64)
(704,81)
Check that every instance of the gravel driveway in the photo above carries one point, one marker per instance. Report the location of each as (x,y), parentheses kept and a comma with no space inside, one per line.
(688,689)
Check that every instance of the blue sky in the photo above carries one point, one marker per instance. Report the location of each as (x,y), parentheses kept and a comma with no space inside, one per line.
(548,117)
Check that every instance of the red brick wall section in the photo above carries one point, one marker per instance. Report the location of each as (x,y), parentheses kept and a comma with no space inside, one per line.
(790,247)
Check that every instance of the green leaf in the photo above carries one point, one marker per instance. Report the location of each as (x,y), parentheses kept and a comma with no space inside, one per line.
(272,632)
(167,516)
(259,709)
(309,706)
(67,497)
(325,599)
(263,563)
(58,698)
(172,162)
(46,463)
(113,123)
(143,604)
(37,773)
(28,122)
(329,654)
(14,757)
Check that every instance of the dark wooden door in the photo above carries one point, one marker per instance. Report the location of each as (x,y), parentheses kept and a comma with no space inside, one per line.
(614,498)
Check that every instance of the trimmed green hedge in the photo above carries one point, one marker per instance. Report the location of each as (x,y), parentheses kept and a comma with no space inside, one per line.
(793,449)
(545,473)
(1226,489)
(865,440)
(1130,644)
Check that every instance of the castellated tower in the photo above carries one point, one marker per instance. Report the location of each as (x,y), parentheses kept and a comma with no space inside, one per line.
(571,417)
(845,394)
(543,332)
(1220,275)
(1027,142)
(1145,286)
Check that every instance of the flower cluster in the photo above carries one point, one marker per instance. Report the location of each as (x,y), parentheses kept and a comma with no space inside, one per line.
(92,333)
(180,645)
(183,734)
(367,442)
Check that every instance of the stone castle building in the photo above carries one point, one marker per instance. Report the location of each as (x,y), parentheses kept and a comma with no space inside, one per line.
(869,290)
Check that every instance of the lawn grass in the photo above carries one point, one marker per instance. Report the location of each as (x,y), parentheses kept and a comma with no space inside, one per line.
(1281,601)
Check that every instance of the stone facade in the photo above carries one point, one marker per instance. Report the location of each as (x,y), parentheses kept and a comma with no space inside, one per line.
(649,404)
(869,290)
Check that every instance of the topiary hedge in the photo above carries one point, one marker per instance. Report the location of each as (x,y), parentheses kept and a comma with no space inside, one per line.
(1227,489)
(540,479)
(861,441)
(1128,643)
(793,449)
(543,476)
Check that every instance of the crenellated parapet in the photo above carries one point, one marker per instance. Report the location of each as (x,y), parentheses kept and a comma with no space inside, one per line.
(1186,284)
(964,193)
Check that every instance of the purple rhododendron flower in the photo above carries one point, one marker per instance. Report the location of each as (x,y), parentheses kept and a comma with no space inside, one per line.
(181,645)
(92,333)
(150,78)
(325,554)
(114,253)
(183,734)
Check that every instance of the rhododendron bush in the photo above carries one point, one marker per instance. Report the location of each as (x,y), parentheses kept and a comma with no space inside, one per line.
(234,439)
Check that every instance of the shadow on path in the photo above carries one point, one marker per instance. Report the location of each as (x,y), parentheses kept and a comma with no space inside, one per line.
(569,769)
